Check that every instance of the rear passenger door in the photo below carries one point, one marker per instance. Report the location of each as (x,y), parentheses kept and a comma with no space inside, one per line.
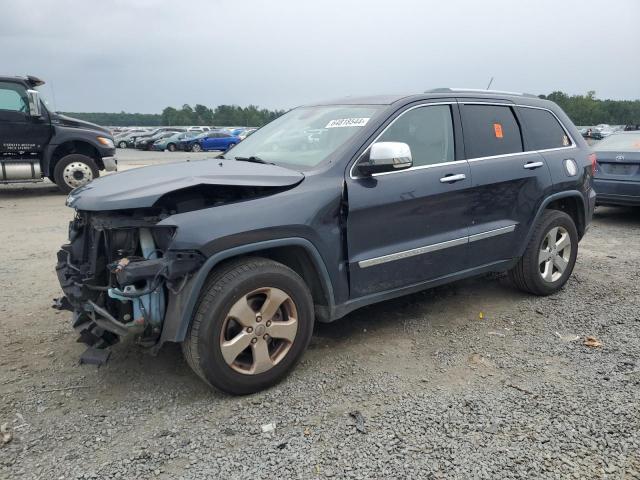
(509,181)
(223,141)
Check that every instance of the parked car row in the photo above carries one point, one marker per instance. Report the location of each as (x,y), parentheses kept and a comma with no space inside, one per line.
(197,139)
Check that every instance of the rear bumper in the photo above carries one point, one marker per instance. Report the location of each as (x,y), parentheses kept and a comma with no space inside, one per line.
(617,192)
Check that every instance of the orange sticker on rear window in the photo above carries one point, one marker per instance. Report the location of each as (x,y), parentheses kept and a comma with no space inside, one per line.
(497,128)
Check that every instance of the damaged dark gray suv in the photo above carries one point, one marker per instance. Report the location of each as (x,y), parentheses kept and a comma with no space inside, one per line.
(326,209)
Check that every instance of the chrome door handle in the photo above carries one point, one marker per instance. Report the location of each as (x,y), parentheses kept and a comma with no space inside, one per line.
(532,165)
(453,178)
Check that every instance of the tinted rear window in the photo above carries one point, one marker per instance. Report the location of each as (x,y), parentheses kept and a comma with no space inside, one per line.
(542,130)
(490,130)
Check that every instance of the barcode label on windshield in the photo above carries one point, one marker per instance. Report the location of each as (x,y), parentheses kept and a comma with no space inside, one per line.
(347,122)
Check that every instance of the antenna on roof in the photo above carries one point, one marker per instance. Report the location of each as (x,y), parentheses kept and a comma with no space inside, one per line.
(490,82)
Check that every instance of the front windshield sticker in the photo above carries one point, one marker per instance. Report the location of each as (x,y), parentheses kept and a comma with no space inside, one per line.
(347,122)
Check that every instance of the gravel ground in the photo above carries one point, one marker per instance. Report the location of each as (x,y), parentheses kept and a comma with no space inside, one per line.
(470,380)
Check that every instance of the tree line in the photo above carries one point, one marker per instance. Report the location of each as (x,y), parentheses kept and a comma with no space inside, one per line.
(251,116)
(222,115)
(589,110)
(582,109)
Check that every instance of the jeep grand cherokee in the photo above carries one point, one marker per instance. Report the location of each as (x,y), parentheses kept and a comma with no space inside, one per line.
(328,208)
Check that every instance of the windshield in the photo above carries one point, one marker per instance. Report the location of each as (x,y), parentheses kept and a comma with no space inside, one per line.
(622,142)
(305,136)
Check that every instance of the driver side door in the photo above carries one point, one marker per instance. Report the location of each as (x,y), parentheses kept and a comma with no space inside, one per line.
(410,226)
(19,132)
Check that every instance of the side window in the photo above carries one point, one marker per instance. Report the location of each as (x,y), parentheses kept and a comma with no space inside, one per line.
(490,130)
(428,131)
(13,97)
(542,130)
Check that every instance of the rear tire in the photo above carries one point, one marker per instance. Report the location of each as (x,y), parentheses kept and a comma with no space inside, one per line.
(230,146)
(73,171)
(229,306)
(550,256)
(122,144)
(171,147)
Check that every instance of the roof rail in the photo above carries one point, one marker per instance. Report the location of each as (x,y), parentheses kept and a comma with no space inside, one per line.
(478,90)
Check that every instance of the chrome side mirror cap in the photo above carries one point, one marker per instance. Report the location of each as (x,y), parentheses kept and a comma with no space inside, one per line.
(386,157)
(34,103)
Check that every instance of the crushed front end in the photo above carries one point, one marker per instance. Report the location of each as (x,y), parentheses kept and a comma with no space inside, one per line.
(118,274)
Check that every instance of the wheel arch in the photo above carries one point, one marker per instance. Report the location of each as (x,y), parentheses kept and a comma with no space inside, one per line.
(72,146)
(571,202)
(299,254)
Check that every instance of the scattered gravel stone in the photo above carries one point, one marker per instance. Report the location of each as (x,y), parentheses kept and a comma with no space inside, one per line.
(447,400)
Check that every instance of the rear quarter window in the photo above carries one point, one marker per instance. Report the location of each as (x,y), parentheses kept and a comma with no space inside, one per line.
(542,130)
(490,130)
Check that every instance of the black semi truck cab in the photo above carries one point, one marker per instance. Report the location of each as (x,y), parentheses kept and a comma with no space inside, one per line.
(36,143)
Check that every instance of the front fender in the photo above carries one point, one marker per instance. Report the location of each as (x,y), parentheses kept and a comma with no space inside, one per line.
(62,138)
(182,306)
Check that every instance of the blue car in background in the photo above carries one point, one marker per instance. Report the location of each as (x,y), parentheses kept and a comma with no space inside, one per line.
(216,140)
(186,143)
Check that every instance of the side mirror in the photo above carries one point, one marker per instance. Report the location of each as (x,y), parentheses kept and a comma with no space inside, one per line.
(34,103)
(386,157)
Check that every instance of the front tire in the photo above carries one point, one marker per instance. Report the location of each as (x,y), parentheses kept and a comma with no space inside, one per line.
(73,171)
(196,147)
(230,146)
(171,147)
(122,144)
(550,256)
(253,322)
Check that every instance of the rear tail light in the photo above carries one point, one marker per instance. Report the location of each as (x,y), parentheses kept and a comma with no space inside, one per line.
(594,163)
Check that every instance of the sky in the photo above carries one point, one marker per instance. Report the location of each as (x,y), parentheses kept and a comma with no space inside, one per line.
(144,55)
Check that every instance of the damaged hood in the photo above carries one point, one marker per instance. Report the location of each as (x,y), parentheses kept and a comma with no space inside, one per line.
(142,187)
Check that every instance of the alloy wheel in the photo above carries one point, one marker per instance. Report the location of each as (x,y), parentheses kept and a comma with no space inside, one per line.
(196,147)
(554,255)
(259,331)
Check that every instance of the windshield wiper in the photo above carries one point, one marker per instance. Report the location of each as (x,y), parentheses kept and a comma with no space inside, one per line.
(253,159)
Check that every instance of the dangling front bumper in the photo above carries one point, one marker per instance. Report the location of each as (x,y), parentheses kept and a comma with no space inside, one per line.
(118,274)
